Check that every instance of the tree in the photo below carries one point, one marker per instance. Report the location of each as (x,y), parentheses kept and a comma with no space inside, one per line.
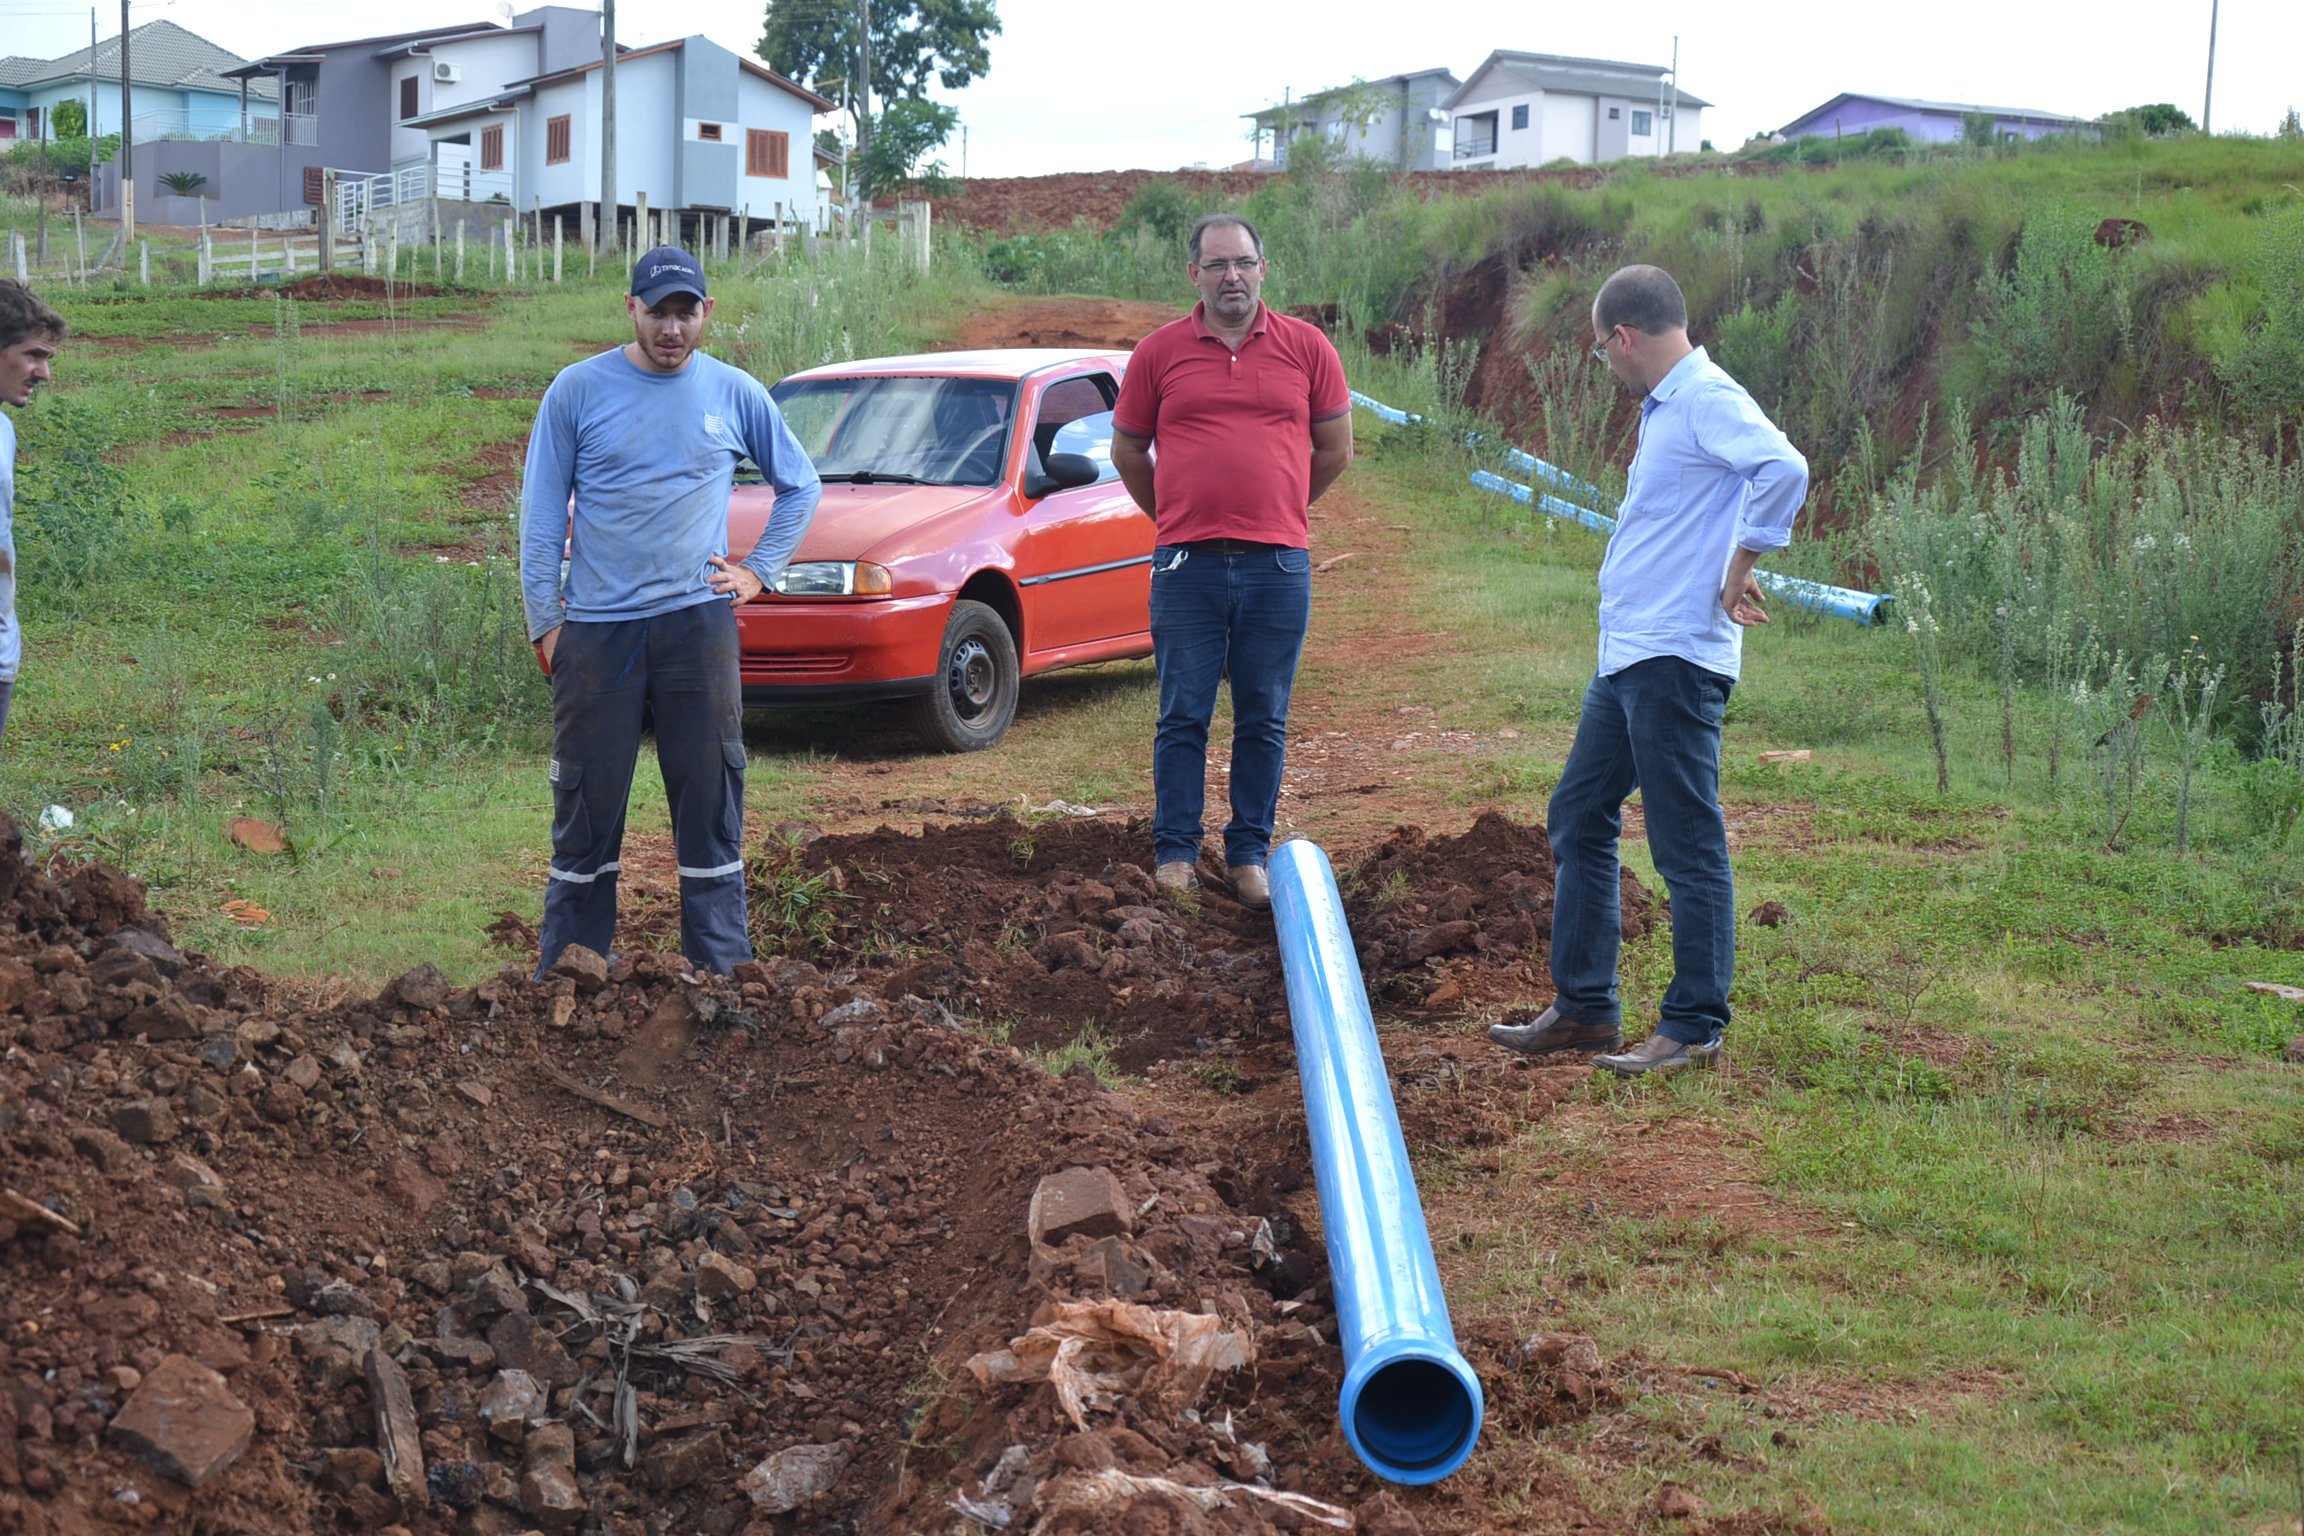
(912,43)
(906,132)
(2155,121)
(68,119)
(947,41)
(2291,126)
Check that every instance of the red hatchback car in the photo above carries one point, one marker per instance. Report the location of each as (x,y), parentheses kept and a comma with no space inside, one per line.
(973,532)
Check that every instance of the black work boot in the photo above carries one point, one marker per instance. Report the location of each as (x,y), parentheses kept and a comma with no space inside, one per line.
(1549,1033)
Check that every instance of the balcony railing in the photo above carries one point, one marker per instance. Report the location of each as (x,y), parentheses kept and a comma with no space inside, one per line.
(206,128)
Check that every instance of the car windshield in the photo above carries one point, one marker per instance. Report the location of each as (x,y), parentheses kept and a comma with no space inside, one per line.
(935,431)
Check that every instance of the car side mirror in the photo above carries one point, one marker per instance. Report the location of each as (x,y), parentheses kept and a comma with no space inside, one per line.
(1064,472)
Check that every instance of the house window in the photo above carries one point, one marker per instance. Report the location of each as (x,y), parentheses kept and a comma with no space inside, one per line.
(315,190)
(300,97)
(408,98)
(558,137)
(1520,117)
(1614,113)
(492,148)
(708,132)
(1643,124)
(767,153)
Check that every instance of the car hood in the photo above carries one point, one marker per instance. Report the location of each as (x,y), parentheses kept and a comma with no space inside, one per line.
(859,522)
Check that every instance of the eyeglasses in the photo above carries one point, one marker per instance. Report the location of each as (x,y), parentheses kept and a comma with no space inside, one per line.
(1600,347)
(1244,265)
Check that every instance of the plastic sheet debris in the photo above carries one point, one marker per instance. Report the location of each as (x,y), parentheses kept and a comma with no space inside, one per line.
(55,819)
(1095,1352)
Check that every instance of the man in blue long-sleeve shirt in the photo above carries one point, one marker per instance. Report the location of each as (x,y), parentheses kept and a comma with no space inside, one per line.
(1714,486)
(646,439)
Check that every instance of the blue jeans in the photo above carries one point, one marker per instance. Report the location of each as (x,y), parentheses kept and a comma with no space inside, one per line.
(1216,615)
(682,666)
(1654,726)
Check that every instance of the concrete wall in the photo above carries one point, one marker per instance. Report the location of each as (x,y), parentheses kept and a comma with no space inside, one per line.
(778,110)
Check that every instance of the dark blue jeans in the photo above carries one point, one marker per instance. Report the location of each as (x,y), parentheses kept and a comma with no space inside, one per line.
(1218,615)
(1655,727)
(682,667)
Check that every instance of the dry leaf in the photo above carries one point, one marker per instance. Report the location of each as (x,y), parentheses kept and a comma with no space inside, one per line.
(257,836)
(246,913)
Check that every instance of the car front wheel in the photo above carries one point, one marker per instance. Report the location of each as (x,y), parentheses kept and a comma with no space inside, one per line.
(972,699)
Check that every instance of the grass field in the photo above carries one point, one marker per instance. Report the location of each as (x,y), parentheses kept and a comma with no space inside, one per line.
(2043,1162)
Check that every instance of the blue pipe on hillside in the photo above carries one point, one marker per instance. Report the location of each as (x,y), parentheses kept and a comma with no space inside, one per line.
(1410,1405)
(1840,602)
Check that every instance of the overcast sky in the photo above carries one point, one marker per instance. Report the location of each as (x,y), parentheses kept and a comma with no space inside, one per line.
(1084,88)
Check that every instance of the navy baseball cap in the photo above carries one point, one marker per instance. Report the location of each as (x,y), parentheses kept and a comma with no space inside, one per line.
(665,271)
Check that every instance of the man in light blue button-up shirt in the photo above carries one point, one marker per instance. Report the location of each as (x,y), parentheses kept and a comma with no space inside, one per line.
(1714,486)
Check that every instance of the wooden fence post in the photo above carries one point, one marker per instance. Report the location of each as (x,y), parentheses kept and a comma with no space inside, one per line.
(640,242)
(143,261)
(16,250)
(511,251)
(207,258)
(556,232)
(459,250)
(327,243)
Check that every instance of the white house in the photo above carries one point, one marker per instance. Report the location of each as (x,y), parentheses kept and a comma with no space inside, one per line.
(1523,109)
(699,130)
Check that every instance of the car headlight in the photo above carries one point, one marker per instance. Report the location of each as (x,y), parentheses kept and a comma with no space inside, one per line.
(835,578)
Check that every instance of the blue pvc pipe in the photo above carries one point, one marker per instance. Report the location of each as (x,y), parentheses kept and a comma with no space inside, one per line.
(1410,1405)
(1840,602)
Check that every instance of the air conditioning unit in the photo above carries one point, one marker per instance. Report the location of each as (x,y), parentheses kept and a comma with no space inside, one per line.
(445,73)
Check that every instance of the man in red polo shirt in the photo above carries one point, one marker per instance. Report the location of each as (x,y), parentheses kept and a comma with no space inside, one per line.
(1252,421)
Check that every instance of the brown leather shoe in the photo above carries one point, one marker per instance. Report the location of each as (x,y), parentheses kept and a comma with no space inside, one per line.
(1549,1033)
(1660,1053)
(1250,885)
(1176,876)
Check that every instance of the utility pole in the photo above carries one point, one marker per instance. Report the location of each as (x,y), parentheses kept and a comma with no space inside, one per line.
(1673,142)
(93,135)
(2209,100)
(605,229)
(127,145)
(864,101)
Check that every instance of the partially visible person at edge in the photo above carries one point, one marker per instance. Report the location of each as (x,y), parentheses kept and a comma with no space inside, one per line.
(1714,486)
(647,438)
(1249,412)
(31,334)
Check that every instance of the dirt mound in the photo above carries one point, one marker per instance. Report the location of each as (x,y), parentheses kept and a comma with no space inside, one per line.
(331,288)
(1047,929)
(629,1252)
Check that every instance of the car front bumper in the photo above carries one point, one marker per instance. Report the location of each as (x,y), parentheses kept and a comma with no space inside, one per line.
(797,652)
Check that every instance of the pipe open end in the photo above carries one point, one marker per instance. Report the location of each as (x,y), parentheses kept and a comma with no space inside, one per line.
(1415,1420)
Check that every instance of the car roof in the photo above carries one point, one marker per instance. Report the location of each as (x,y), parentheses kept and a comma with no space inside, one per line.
(989,363)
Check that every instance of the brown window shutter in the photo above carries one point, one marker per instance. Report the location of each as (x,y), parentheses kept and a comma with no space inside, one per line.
(313,187)
(780,154)
(408,98)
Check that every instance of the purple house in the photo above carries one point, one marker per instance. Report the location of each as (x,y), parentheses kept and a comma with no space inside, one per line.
(1928,122)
